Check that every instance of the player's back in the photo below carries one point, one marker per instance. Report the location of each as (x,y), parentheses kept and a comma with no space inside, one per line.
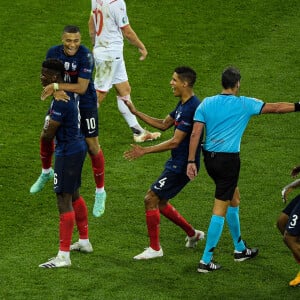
(69,139)
(109,17)
(226,117)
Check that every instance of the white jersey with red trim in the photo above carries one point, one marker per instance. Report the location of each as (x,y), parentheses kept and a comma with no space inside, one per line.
(109,17)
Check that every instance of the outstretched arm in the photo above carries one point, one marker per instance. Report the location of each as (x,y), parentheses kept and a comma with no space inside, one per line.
(278,108)
(137,151)
(191,171)
(161,124)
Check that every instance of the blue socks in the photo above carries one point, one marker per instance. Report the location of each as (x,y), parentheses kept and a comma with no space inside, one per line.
(233,221)
(213,235)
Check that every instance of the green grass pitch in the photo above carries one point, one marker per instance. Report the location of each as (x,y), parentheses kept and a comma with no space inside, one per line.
(262,39)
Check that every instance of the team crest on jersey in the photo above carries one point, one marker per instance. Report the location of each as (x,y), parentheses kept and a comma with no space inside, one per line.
(67,66)
(178,115)
(74,66)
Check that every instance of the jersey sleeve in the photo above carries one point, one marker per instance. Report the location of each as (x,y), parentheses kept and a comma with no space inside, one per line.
(254,105)
(199,115)
(86,64)
(51,53)
(120,13)
(58,110)
(185,120)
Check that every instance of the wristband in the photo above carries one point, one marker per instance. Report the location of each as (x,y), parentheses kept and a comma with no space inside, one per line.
(55,86)
(297,106)
(191,162)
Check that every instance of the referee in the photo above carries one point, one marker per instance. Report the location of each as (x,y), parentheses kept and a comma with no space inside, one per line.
(225,117)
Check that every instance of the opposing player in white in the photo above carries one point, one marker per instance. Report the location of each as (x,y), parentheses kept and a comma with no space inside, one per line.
(108,24)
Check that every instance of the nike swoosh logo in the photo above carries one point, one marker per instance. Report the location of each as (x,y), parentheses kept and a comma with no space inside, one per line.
(90,132)
(157,188)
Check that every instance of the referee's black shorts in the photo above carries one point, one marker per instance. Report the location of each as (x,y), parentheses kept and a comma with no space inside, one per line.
(224,169)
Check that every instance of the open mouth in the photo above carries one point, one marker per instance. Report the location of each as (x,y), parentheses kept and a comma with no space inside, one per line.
(70,51)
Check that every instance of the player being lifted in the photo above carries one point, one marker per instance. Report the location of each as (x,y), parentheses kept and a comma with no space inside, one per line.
(78,64)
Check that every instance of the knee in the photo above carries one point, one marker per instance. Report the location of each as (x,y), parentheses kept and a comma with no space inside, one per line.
(101,96)
(93,146)
(150,201)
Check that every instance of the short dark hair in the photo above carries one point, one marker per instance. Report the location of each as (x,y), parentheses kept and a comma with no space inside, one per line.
(186,74)
(54,65)
(230,77)
(71,29)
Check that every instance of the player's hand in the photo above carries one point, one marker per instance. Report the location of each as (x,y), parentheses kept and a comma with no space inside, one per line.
(130,105)
(191,171)
(284,193)
(61,96)
(144,53)
(47,91)
(295,171)
(135,152)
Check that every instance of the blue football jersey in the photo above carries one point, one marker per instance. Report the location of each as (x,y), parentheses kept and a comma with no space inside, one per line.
(68,138)
(183,115)
(79,65)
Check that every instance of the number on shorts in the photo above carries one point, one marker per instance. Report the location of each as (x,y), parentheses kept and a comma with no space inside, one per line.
(162,182)
(294,220)
(91,123)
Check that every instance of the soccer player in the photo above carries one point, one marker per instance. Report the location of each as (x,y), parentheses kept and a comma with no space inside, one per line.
(63,123)
(288,222)
(78,64)
(173,179)
(107,25)
(225,118)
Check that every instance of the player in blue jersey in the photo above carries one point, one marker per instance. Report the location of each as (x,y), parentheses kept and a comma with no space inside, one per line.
(288,222)
(225,118)
(173,179)
(79,65)
(62,123)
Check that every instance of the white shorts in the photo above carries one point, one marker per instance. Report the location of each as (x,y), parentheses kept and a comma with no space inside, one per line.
(109,71)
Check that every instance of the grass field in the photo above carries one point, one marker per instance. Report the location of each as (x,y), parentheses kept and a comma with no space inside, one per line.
(262,39)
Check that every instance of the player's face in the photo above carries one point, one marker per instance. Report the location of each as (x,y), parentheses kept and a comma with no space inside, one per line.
(46,77)
(176,85)
(71,42)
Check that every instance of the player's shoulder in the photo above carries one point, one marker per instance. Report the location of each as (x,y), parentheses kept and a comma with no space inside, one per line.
(84,53)
(196,100)
(246,98)
(83,49)
(55,49)
(66,105)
